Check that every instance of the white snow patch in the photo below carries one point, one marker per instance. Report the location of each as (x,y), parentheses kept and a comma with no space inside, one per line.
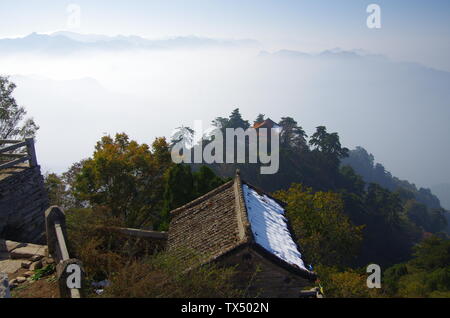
(269,227)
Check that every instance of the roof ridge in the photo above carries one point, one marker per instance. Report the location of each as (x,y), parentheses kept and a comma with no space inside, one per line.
(245,231)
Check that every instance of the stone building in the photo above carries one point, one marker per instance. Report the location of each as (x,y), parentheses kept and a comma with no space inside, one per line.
(238,224)
(267,123)
(23,197)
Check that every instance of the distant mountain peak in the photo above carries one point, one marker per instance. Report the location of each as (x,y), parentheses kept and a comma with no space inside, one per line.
(67,41)
(330,53)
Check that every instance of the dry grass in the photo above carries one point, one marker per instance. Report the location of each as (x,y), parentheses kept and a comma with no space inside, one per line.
(138,268)
(46,287)
(164,276)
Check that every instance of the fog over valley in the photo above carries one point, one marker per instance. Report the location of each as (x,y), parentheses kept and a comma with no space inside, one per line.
(224,149)
(396,110)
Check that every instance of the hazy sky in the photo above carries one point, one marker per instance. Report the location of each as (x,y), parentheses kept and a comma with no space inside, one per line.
(398,111)
(412,30)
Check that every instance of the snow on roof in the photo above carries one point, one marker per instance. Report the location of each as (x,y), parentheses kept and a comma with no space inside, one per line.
(269,227)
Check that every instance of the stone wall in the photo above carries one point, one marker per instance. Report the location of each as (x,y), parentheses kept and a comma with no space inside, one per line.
(260,277)
(23,201)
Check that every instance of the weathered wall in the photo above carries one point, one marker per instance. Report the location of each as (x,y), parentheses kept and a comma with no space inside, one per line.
(23,201)
(261,278)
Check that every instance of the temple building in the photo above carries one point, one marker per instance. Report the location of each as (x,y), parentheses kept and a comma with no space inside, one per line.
(238,224)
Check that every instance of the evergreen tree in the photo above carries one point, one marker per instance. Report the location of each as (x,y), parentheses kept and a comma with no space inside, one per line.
(259,119)
(292,135)
(205,180)
(236,121)
(182,186)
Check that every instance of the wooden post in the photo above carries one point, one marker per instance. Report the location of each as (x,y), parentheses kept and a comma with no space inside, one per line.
(54,215)
(55,224)
(31,152)
(62,274)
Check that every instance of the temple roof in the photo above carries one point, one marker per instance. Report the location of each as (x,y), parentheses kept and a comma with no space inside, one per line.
(233,216)
(268,123)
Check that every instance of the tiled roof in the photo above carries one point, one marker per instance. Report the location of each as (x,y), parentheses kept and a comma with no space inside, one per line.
(268,123)
(216,224)
(207,225)
(269,227)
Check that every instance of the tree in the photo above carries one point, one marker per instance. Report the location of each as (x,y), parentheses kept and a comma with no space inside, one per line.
(328,143)
(220,122)
(438,221)
(259,119)
(69,178)
(324,232)
(348,283)
(60,188)
(327,154)
(364,164)
(178,190)
(182,186)
(13,124)
(56,189)
(383,212)
(426,275)
(417,213)
(351,181)
(185,134)
(392,275)
(235,120)
(206,180)
(292,135)
(383,203)
(126,177)
(432,253)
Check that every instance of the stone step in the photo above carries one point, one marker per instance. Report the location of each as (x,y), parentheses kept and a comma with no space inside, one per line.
(10,266)
(28,251)
(15,255)
(7,246)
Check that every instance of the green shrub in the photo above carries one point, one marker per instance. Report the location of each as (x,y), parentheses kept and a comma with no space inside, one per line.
(345,284)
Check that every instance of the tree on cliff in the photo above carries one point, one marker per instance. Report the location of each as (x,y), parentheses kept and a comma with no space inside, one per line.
(181,185)
(126,177)
(324,231)
(13,124)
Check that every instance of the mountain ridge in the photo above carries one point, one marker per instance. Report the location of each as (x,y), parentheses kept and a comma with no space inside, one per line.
(64,41)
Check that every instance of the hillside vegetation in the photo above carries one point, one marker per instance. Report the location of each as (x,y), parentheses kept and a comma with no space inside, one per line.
(346,212)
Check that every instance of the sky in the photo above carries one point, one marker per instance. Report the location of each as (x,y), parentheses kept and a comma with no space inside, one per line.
(412,30)
(390,107)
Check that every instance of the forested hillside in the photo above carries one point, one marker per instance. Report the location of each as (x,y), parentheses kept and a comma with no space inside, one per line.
(443,192)
(371,197)
(345,211)
(364,164)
